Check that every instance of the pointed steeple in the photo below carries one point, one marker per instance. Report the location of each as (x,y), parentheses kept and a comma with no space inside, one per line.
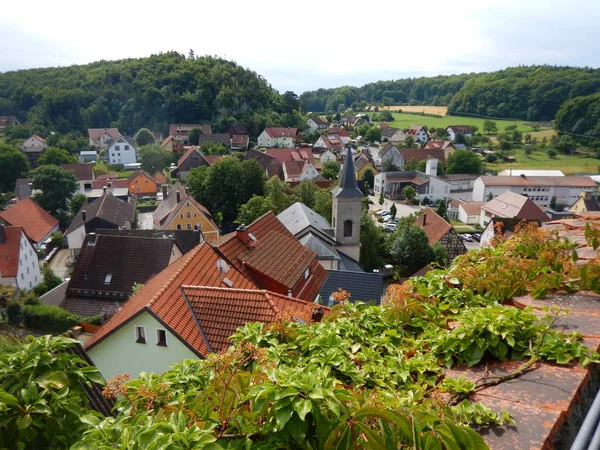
(348,187)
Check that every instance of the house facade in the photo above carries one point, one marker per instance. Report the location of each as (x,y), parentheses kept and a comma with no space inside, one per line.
(84,172)
(539,189)
(299,171)
(389,153)
(277,137)
(391,134)
(418,133)
(33,149)
(180,130)
(587,201)
(141,184)
(331,142)
(122,151)
(172,145)
(393,183)
(315,123)
(328,156)
(191,159)
(438,230)
(19,265)
(454,130)
(100,137)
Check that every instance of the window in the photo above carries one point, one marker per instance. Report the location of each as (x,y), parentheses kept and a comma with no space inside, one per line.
(108,278)
(347,228)
(195,215)
(140,334)
(181,216)
(189,214)
(179,226)
(189,226)
(22,278)
(146,180)
(306,273)
(138,189)
(117,147)
(127,147)
(161,337)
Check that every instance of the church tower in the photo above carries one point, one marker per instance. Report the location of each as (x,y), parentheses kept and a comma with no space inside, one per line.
(346,210)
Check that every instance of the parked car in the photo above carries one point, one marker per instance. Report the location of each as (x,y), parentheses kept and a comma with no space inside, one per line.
(476,236)
(381,213)
(466,237)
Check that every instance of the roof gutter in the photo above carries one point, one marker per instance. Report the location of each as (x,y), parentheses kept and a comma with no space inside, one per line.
(588,436)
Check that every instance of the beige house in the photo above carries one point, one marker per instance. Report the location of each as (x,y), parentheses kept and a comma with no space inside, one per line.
(100,137)
(33,149)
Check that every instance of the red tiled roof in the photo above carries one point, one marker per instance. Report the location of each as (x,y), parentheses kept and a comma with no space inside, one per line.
(511,205)
(95,133)
(341,131)
(163,297)
(435,144)
(332,141)
(281,132)
(211,159)
(421,154)
(435,227)
(294,168)
(240,139)
(116,184)
(83,172)
(36,222)
(464,129)
(169,208)
(290,154)
(220,311)
(473,208)
(176,144)
(9,251)
(184,128)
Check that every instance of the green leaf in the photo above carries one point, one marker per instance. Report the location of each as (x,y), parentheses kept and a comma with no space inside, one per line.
(302,407)
(282,416)
(55,380)
(90,419)
(23,421)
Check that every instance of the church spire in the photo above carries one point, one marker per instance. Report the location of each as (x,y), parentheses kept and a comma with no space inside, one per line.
(348,187)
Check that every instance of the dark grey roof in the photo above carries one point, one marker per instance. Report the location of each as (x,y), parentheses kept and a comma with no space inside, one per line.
(87,307)
(185,240)
(218,138)
(348,264)
(363,286)
(298,217)
(108,208)
(324,250)
(348,186)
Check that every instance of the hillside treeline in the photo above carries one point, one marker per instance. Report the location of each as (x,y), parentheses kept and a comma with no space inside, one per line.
(133,93)
(580,117)
(527,93)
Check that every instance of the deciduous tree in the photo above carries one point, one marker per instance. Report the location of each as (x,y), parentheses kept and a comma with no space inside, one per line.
(76,202)
(144,137)
(410,250)
(464,161)
(13,165)
(331,170)
(57,187)
(153,158)
(56,156)
(489,127)
(254,208)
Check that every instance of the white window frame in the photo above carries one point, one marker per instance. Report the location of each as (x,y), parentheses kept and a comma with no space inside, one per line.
(135,334)
(166,344)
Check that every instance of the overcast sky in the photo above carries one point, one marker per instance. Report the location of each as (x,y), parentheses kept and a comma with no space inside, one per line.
(305,45)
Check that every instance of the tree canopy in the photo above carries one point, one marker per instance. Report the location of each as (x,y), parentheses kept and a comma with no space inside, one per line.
(410,249)
(57,186)
(13,165)
(464,161)
(153,157)
(144,137)
(56,156)
(331,170)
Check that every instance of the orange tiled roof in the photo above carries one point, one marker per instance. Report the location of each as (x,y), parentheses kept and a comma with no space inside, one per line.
(435,227)
(220,311)
(9,251)
(36,222)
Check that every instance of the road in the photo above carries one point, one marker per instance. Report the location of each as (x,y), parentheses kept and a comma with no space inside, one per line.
(59,263)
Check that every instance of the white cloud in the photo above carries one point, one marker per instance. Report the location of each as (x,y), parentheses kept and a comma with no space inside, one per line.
(310,44)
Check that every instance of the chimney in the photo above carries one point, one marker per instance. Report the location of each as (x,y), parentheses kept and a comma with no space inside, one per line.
(424,219)
(178,195)
(164,191)
(104,188)
(84,215)
(242,234)
(2,234)
(522,175)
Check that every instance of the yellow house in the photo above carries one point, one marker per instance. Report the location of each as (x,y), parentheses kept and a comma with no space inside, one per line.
(361,165)
(179,211)
(587,201)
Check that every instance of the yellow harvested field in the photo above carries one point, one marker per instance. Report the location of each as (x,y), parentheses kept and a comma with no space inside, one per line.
(437,110)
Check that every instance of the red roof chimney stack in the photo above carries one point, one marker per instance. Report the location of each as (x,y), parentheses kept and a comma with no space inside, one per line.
(242,234)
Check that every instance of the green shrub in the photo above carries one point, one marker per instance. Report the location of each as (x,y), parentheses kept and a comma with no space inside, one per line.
(49,318)
(93,320)
(116,167)
(14,310)
(32,299)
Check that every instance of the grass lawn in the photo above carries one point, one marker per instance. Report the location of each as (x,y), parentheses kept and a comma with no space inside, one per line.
(404,121)
(569,164)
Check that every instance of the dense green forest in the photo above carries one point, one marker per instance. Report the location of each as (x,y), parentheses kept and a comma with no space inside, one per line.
(580,117)
(527,93)
(145,92)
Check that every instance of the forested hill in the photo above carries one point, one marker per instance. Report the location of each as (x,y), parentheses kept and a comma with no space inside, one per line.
(133,93)
(528,93)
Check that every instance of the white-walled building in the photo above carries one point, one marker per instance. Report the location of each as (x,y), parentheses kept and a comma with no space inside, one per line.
(277,137)
(299,171)
(100,137)
(540,190)
(453,130)
(327,156)
(418,133)
(315,123)
(388,153)
(392,184)
(122,151)
(19,265)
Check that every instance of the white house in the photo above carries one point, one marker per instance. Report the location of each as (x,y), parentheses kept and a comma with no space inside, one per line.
(540,190)
(460,182)
(469,213)
(122,151)
(328,156)
(393,183)
(453,130)
(418,133)
(331,142)
(389,152)
(277,137)
(531,173)
(315,123)
(393,134)
(299,171)
(19,266)
(99,137)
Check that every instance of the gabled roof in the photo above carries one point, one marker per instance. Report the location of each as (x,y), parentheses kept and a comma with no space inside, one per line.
(36,222)
(290,154)
(276,254)
(189,153)
(363,286)
(237,129)
(121,138)
(176,144)
(341,131)
(332,141)
(10,248)
(435,227)
(435,144)
(294,169)
(386,149)
(169,207)
(108,208)
(421,154)
(347,186)
(281,132)
(298,217)
(414,129)
(511,205)
(142,173)
(324,248)
(463,129)
(163,298)
(388,132)
(184,128)
(211,159)
(473,208)
(83,172)
(316,119)
(220,311)
(95,133)
(240,140)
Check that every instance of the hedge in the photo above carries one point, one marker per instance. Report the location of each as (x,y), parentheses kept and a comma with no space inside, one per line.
(14,310)
(49,318)
(93,320)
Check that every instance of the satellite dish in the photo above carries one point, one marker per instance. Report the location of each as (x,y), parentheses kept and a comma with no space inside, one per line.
(222,266)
